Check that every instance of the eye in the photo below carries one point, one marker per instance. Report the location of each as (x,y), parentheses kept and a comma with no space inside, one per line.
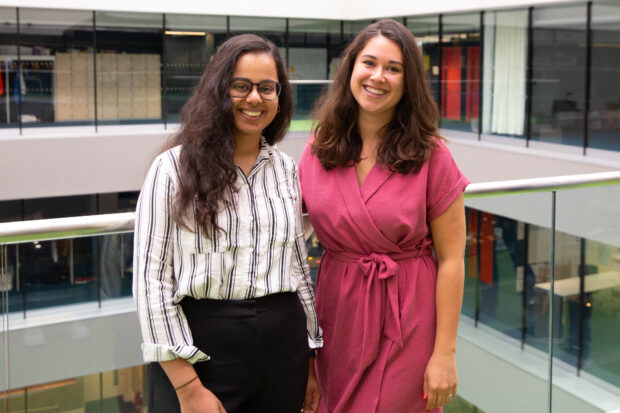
(267,88)
(368,62)
(394,69)
(240,86)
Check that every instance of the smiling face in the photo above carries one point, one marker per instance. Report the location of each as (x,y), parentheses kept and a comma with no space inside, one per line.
(253,113)
(377,80)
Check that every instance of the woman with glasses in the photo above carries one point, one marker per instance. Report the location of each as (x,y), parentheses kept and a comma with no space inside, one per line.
(385,199)
(220,274)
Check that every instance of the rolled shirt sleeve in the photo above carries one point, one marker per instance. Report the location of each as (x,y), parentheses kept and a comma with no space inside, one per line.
(165,331)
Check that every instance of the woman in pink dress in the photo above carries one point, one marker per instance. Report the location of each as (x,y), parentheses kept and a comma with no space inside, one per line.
(385,199)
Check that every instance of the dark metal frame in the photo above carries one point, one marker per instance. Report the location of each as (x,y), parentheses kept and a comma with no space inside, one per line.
(95,68)
(586,106)
(18,73)
(528,77)
(481,79)
(164,74)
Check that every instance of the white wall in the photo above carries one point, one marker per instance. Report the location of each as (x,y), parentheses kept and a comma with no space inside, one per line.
(320,9)
(117,159)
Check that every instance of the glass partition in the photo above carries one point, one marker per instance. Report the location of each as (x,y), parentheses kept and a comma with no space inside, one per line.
(426,31)
(55,82)
(190,42)
(558,73)
(460,72)
(129,67)
(9,97)
(115,391)
(271,28)
(313,52)
(604,116)
(588,281)
(505,64)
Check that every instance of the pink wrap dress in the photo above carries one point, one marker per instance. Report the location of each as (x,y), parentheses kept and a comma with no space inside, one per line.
(375,294)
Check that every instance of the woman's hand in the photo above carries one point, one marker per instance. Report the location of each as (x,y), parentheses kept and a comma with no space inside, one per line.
(195,398)
(313,393)
(440,380)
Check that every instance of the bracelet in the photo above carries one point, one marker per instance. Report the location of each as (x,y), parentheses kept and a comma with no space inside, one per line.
(185,384)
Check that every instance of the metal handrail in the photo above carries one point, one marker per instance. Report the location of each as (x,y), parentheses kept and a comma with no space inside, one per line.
(73,227)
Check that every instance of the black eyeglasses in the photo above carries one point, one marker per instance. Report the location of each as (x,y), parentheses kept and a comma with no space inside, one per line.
(267,89)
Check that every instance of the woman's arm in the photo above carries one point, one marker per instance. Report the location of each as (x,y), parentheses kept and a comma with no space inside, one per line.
(193,396)
(448,232)
(166,335)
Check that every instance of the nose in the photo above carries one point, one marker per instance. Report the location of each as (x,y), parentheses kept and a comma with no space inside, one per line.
(377,74)
(254,96)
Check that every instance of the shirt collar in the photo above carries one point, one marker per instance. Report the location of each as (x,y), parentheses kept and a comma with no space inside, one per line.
(266,151)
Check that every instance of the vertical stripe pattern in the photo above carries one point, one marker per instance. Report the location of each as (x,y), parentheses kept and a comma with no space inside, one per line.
(261,251)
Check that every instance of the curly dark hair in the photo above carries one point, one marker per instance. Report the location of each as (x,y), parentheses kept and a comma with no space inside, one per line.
(206,165)
(411,134)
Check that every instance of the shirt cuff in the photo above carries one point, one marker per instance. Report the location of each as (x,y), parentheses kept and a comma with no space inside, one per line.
(315,343)
(159,352)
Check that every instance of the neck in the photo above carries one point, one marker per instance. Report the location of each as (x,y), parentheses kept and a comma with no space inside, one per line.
(246,152)
(370,127)
(246,146)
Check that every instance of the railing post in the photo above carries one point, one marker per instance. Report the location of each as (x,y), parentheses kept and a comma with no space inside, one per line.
(551,298)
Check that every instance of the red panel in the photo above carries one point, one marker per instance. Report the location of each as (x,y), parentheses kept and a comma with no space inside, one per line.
(472,97)
(451,83)
(472,242)
(487,238)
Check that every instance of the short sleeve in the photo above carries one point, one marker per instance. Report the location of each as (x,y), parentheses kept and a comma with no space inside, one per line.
(445,182)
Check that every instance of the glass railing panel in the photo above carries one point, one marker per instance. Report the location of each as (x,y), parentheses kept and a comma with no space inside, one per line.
(115,391)
(116,267)
(46,274)
(500,256)
(305,94)
(588,281)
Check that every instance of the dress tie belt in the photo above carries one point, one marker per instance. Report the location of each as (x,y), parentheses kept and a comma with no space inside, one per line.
(381,309)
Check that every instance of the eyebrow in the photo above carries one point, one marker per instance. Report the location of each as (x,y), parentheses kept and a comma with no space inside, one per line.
(390,61)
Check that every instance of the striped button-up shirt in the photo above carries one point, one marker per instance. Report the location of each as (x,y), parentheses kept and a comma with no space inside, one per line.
(260,252)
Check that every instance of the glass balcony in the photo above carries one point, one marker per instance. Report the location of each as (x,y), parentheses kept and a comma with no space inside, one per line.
(541,294)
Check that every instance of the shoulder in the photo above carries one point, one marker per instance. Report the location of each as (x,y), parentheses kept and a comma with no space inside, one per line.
(167,163)
(307,155)
(281,158)
(440,153)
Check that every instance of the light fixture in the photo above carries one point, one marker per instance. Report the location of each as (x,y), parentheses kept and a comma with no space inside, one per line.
(181,33)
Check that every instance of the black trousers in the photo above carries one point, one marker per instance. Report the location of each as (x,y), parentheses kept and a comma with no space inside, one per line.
(259,355)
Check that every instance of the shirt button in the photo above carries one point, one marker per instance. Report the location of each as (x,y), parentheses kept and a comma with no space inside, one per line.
(251,249)
(251,218)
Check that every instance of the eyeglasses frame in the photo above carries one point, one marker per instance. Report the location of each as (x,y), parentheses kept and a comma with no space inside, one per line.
(278,87)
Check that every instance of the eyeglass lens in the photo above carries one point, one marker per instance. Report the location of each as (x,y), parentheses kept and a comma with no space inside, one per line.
(268,89)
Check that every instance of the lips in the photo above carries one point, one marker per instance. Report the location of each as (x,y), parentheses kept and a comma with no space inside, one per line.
(374,91)
(251,113)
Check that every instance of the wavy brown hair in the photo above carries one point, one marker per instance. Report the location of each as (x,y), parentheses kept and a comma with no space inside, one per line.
(206,166)
(411,134)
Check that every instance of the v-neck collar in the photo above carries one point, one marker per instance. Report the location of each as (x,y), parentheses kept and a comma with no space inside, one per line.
(352,195)
(374,179)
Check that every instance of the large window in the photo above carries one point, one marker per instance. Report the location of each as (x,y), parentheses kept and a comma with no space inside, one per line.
(54,83)
(558,74)
(312,47)
(190,42)
(9,96)
(505,64)
(129,53)
(426,31)
(460,72)
(604,116)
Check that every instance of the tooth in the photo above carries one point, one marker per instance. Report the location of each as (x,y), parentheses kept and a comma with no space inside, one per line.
(375,91)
